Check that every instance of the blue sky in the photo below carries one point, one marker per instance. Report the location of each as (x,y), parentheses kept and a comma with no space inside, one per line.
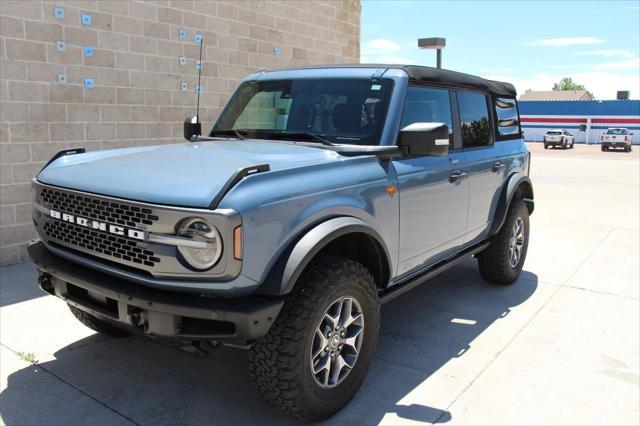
(531,44)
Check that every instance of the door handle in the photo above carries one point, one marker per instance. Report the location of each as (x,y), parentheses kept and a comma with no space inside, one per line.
(497,166)
(456,176)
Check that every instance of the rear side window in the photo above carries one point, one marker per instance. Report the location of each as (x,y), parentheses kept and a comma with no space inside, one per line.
(474,120)
(427,105)
(508,123)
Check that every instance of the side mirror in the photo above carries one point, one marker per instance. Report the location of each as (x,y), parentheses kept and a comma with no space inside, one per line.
(192,128)
(424,139)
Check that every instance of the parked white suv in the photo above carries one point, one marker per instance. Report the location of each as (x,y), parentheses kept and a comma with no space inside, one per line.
(558,137)
(616,137)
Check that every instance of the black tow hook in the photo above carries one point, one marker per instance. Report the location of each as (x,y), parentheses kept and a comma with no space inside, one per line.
(46,283)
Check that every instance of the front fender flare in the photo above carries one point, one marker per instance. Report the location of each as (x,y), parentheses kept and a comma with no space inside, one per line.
(516,181)
(296,258)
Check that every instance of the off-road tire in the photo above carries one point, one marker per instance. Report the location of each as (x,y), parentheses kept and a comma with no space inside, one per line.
(546,145)
(97,324)
(493,262)
(279,363)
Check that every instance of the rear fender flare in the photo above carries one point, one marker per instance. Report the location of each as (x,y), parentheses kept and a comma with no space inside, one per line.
(517,182)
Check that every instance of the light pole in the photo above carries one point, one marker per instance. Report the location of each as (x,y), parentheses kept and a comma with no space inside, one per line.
(437,43)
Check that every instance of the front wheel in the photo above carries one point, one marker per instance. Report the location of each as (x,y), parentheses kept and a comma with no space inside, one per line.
(546,145)
(318,351)
(571,146)
(502,261)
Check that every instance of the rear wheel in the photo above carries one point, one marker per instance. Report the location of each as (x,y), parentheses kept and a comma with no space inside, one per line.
(318,351)
(502,261)
(96,324)
(603,148)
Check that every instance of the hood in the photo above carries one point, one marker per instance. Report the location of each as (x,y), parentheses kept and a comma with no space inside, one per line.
(188,174)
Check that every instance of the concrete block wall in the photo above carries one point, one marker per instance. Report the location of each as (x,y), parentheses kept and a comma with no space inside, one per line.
(137,74)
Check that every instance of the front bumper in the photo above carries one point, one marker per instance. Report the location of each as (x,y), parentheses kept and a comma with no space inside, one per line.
(159,313)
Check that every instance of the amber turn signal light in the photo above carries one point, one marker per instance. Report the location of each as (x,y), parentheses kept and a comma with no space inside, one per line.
(237,243)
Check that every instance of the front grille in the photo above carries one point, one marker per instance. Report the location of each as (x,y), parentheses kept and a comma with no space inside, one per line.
(104,210)
(100,242)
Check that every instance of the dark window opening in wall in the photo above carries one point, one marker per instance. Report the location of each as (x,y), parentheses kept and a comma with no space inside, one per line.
(344,111)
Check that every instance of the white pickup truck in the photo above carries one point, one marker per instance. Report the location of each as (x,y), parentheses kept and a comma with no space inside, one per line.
(616,137)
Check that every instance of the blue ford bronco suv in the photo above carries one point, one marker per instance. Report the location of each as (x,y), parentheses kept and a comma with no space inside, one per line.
(319,194)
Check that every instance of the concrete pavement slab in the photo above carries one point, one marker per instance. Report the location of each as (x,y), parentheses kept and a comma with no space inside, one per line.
(576,363)
(614,268)
(16,284)
(31,395)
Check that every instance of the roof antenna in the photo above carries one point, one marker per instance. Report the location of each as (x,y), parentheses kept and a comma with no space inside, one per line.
(192,127)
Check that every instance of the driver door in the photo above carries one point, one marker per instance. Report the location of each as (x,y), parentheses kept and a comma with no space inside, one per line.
(434,191)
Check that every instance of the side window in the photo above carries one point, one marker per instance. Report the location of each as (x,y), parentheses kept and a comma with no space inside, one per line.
(474,120)
(427,105)
(508,122)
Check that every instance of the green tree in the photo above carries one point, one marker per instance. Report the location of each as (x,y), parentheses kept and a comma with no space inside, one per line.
(567,83)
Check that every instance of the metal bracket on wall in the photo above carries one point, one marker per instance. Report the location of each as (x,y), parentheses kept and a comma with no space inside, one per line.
(58,12)
(86,19)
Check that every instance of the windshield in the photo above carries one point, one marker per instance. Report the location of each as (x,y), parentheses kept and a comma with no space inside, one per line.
(617,131)
(554,133)
(342,111)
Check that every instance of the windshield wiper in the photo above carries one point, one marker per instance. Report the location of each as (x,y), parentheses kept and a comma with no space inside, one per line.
(227,132)
(310,137)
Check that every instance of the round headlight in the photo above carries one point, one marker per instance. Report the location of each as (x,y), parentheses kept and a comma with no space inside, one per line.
(206,251)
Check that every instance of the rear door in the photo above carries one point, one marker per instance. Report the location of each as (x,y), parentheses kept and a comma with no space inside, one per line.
(433,191)
(484,163)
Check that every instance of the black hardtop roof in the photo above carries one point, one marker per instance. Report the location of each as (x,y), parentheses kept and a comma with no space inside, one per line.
(439,76)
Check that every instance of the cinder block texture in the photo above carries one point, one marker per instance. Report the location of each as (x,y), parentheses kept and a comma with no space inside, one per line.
(137,74)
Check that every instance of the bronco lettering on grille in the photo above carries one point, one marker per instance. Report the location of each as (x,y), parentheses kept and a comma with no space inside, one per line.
(97,225)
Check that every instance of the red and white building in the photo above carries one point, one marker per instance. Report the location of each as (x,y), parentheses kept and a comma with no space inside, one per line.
(586,120)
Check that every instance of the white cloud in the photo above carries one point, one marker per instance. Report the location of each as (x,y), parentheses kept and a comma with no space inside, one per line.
(603,84)
(383,51)
(609,53)
(386,59)
(626,64)
(382,44)
(565,41)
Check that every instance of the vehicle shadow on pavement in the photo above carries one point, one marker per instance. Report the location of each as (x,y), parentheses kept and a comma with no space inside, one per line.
(136,379)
